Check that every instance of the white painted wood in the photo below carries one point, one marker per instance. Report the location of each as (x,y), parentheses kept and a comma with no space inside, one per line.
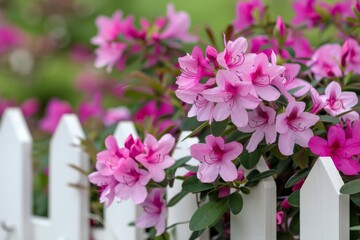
(68,206)
(257,220)
(184,209)
(324,211)
(120,214)
(15,176)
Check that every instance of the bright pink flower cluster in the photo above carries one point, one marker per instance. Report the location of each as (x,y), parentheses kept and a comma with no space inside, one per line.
(343,146)
(10,37)
(125,172)
(238,86)
(117,35)
(329,59)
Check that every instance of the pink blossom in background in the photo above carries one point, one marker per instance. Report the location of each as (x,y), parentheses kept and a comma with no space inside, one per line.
(30,107)
(261,125)
(280,217)
(294,127)
(325,61)
(305,13)
(113,158)
(132,182)
(247,13)
(280,26)
(91,109)
(318,101)
(232,97)
(10,37)
(4,103)
(154,211)
(339,148)
(81,54)
(337,102)
(350,56)
(285,204)
(156,156)
(261,76)
(114,115)
(340,10)
(109,55)
(178,26)
(54,111)
(224,192)
(215,158)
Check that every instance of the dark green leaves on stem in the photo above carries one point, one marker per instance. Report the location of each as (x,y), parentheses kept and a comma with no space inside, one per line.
(218,128)
(235,203)
(351,187)
(262,175)
(250,160)
(294,199)
(208,214)
(174,200)
(192,184)
(297,177)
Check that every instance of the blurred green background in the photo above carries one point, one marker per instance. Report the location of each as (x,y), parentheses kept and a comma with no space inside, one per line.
(54,27)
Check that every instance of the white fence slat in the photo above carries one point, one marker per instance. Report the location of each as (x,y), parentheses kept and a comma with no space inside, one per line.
(324,211)
(185,208)
(68,206)
(257,220)
(15,176)
(120,214)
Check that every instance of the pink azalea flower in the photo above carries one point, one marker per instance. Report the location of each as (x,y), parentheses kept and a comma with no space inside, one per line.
(91,109)
(132,182)
(109,55)
(291,82)
(350,56)
(193,68)
(114,115)
(178,26)
(10,37)
(54,111)
(216,158)
(113,157)
(135,147)
(340,10)
(298,185)
(340,149)
(294,127)
(154,212)
(279,217)
(305,13)
(262,124)
(337,102)
(318,101)
(234,54)
(245,13)
(201,107)
(241,175)
(285,204)
(325,61)
(261,75)
(156,156)
(233,98)
(30,107)
(280,26)
(107,185)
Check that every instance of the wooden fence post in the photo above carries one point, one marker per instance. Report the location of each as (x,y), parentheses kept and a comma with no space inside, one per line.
(15,177)
(324,211)
(257,220)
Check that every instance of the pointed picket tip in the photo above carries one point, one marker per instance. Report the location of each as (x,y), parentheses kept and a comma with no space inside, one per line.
(14,121)
(257,219)
(69,127)
(123,130)
(15,174)
(320,199)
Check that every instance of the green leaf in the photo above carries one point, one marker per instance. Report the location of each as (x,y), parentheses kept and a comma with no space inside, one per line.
(179,163)
(294,90)
(301,158)
(291,51)
(329,119)
(294,199)
(355,198)
(351,187)
(245,190)
(297,177)
(294,227)
(196,234)
(355,228)
(235,203)
(192,184)
(218,128)
(250,160)
(198,129)
(208,214)
(262,175)
(174,200)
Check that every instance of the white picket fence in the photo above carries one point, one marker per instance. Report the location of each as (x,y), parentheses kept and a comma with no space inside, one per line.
(324,211)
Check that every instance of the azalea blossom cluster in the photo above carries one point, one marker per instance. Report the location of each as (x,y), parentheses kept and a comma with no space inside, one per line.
(125,172)
(244,86)
(118,38)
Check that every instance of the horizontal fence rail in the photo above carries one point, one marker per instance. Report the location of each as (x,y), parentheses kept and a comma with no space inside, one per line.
(324,211)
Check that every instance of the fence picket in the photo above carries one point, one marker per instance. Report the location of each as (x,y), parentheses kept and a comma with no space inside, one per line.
(15,176)
(257,221)
(324,210)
